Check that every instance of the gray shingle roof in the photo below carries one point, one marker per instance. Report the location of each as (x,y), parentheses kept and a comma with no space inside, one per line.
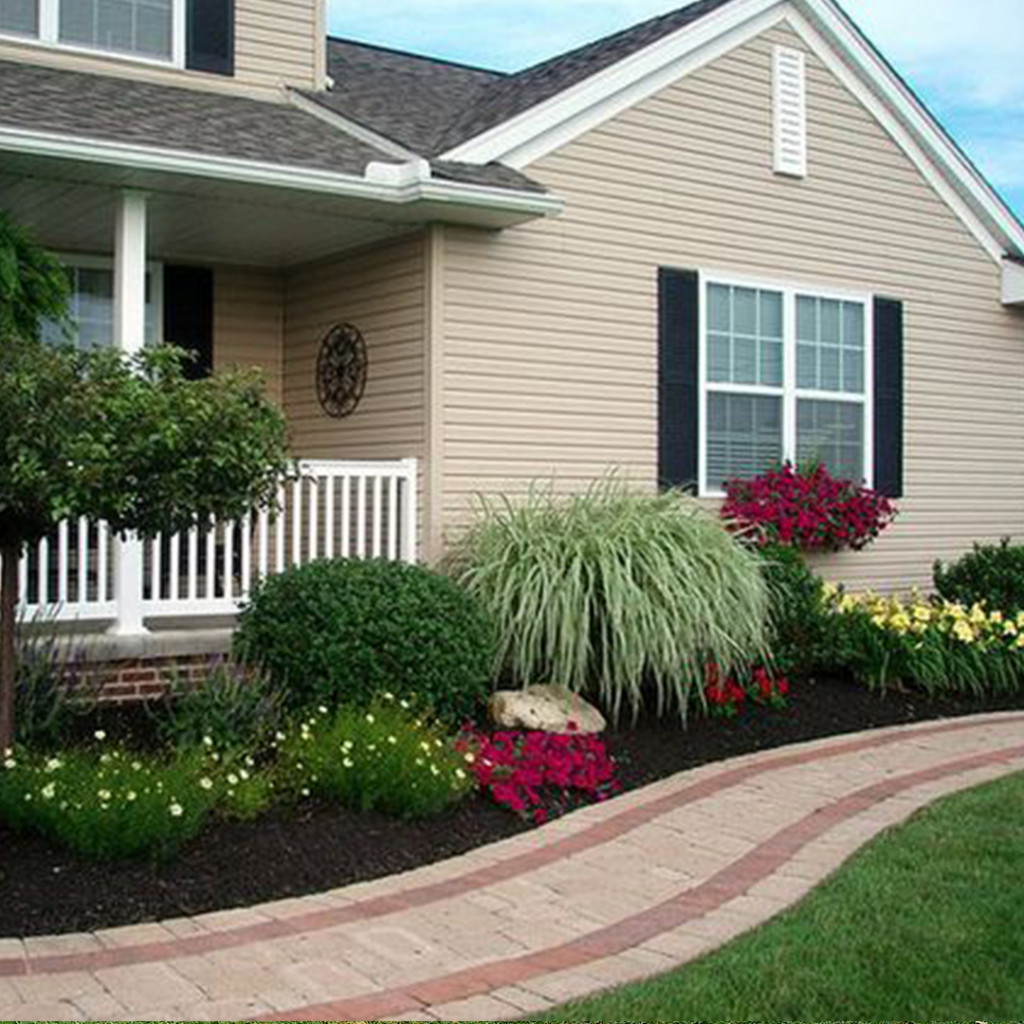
(167,117)
(430,106)
(425,105)
(514,94)
(412,100)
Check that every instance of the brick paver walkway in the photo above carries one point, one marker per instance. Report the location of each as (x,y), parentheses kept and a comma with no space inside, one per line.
(610,895)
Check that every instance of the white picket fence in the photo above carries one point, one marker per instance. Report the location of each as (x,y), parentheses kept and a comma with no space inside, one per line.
(332,510)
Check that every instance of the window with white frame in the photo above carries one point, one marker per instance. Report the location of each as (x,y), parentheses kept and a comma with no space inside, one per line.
(149,29)
(91,304)
(785,377)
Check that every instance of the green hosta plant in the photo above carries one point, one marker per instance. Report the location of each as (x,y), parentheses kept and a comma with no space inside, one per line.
(626,595)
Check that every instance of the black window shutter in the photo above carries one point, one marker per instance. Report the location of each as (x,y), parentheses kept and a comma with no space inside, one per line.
(188,315)
(210,36)
(889,383)
(678,384)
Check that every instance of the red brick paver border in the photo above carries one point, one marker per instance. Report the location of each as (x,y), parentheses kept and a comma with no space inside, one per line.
(543,917)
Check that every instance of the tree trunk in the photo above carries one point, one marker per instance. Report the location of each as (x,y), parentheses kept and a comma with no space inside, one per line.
(11,555)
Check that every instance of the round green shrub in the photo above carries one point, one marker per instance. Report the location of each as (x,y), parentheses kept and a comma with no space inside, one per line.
(348,631)
(991,574)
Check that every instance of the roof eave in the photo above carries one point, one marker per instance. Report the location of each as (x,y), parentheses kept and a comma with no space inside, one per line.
(493,207)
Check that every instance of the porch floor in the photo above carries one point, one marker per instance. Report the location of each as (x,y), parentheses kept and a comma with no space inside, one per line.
(545,917)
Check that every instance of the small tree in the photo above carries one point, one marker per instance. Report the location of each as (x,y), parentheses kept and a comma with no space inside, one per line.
(124,439)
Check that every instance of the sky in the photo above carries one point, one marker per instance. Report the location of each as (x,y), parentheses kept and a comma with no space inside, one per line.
(965,59)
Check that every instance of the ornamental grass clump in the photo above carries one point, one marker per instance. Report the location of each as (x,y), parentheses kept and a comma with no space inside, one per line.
(930,644)
(386,757)
(622,595)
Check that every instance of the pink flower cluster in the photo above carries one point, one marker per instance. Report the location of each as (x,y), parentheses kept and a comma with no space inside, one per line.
(726,696)
(522,769)
(809,510)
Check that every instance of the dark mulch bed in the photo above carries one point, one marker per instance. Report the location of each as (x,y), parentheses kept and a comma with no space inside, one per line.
(45,891)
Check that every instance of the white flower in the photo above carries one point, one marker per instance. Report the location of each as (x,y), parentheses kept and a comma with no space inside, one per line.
(53,764)
(243,774)
(49,792)
(305,792)
(232,779)
(104,795)
(404,705)
(131,796)
(370,719)
(208,741)
(206,783)
(136,766)
(100,734)
(176,810)
(10,763)
(322,710)
(348,762)
(280,737)
(392,740)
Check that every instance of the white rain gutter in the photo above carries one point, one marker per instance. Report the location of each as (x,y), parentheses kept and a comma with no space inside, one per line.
(404,187)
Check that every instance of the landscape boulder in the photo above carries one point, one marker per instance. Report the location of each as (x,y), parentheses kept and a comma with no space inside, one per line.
(544,709)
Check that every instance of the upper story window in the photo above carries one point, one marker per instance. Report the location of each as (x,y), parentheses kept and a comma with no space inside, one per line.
(145,29)
(91,304)
(785,377)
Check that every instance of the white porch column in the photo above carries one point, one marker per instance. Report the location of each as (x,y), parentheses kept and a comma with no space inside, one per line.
(130,337)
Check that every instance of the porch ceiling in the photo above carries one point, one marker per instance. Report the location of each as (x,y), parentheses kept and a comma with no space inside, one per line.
(70,206)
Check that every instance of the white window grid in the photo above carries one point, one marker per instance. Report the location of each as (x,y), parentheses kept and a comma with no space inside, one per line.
(48,35)
(155,290)
(790,393)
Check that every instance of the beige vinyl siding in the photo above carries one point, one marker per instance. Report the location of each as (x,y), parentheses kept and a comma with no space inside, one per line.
(380,291)
(277,43)
(248,315)
(550,330)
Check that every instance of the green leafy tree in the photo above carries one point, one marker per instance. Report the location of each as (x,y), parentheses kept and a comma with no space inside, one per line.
(128,440)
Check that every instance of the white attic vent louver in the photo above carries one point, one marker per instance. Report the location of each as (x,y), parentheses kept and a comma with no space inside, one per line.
(790,87)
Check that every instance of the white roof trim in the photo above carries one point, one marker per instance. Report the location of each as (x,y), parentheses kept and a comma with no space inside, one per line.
(1013,283)
(253,172)
(546,127)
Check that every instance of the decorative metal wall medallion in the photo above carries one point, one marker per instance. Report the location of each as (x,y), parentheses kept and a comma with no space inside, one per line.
(341,370)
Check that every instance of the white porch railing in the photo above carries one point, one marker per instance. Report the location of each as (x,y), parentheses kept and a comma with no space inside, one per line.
(333,510)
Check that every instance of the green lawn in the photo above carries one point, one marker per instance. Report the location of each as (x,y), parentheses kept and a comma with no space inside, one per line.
(925,924)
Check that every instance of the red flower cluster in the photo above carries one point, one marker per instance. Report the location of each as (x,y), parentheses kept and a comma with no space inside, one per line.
(809,510)
(520,769)
(726,697)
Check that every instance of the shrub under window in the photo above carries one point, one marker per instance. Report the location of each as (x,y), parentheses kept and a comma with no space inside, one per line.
(347,631)
(991,574)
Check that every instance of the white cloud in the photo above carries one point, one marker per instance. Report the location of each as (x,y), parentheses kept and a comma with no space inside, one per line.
(971,53)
